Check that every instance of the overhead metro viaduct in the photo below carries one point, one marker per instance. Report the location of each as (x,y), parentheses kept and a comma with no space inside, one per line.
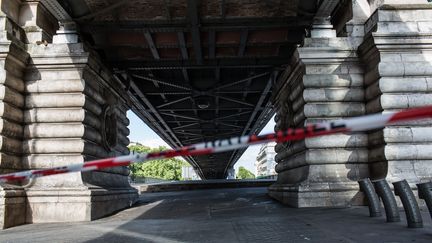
(197,71)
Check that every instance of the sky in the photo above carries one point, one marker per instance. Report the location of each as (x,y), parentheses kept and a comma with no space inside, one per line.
(141,133)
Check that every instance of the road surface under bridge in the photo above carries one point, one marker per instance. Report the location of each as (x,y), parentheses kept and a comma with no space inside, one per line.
(224,215)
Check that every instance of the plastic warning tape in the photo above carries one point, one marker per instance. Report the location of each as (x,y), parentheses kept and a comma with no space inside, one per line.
(363,123)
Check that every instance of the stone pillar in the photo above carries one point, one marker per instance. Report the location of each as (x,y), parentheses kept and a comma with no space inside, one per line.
(398,54)
(59,106)
(13,58)
(324,82)
(75,111)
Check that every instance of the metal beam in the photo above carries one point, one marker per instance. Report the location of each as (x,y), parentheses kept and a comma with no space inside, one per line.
(167,9)
(188,133)
(229,125)
(182,45)
(292,39)
(243,41)
(212,44)
(174,102)
(152,46)
(199,130)
(242,80)
(290,23)
(187,125)
(181,121)
(160,82)
(157,86)
(234,63)
(222,8)
(155,113)
(235,100)
(168,93)
(217,92)
(233,115)
(181,116)
(260,101)
(217,78)
(192,9)
(185,75)
(207,109)
(249,62)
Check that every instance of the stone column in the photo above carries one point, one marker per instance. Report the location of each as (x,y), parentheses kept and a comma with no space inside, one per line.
(13,58)
(324,82)
(75,111)
(398,54)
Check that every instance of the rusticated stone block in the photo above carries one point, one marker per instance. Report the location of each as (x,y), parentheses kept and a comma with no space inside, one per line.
(12,66)
(12,207)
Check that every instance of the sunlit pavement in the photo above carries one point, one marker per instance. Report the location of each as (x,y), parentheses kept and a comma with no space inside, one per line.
(224,215)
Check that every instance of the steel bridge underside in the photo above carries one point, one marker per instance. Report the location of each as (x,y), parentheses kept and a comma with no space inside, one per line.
(198,70)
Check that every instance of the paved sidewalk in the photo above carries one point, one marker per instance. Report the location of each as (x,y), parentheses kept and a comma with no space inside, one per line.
(224,215)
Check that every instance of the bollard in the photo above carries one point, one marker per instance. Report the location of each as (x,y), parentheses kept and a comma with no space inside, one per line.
(367,188)
(385,193)
(425,193)
(412,211)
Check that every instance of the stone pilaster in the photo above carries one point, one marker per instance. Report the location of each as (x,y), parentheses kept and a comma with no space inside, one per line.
(398,53)
(75,111)
(324,82)
(39,24)
(13,58)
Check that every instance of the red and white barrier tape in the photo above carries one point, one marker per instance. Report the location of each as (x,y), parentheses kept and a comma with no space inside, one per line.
(357,124)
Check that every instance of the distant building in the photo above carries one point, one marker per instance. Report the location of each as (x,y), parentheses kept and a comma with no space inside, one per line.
(188,173)
(231,173)
(135,144)
(265,161)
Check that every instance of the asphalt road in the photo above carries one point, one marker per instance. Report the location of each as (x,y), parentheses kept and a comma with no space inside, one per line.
(224,215)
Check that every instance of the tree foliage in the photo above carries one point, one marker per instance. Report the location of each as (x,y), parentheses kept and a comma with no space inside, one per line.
(243,173)
(167,169)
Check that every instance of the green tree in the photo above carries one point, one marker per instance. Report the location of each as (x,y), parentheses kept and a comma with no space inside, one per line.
(243,173)
(167,169)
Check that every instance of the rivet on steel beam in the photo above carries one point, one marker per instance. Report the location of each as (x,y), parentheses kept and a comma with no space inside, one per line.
(374,204)
(409,202)
(390,206)
(425,193)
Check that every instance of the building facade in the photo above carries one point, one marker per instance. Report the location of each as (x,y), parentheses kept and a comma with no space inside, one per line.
(265,161)
(188,173)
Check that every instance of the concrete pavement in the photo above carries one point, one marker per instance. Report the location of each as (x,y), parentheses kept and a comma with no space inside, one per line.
(224,215)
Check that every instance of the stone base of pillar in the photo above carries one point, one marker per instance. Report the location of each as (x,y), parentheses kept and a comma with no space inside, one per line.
(317,195)
(12,207)
(72,205)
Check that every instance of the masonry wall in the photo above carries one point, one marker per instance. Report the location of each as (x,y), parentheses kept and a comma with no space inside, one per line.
(58,106)
(383,65)
(13,59)
(324,82)
(398,53)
